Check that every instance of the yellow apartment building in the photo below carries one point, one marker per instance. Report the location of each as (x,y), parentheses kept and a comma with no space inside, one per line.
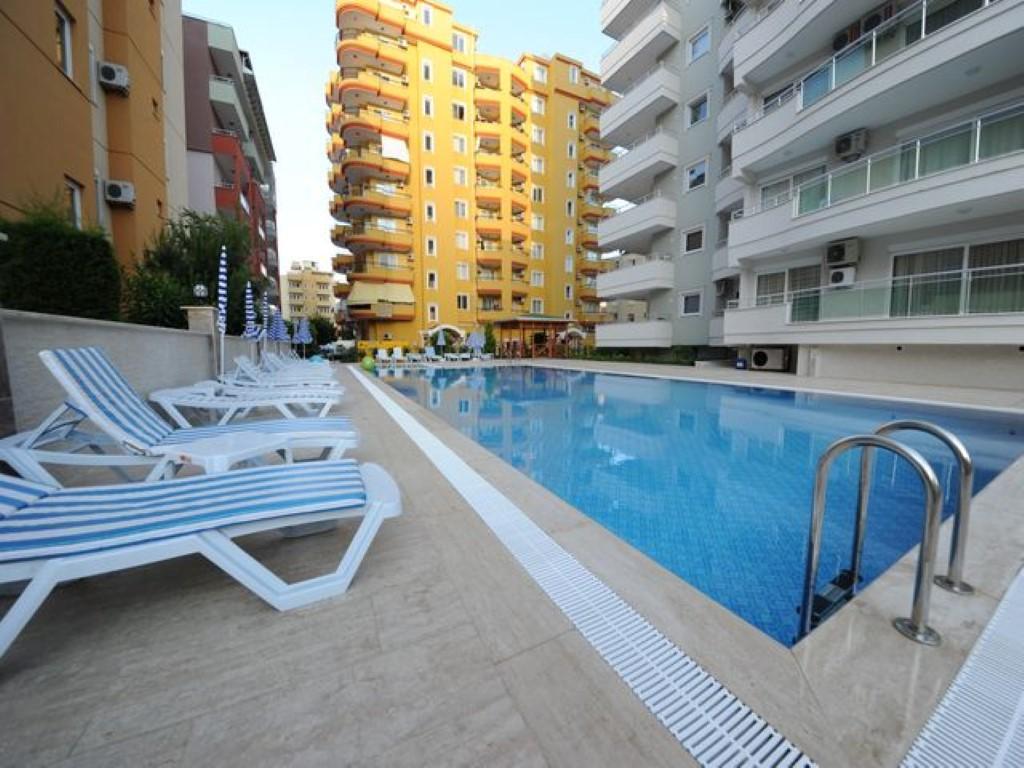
(307,292)
(465,185)
(85,96)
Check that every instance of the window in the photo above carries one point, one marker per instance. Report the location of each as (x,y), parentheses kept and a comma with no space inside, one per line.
(537,251)
(568,292)
(693,240)
(428,177)
(458,77)
(427,15)
(63,40)
(458,111)
(570,208)
(73,201)
(537,222)
(430,212)
(574,74)
(571,121)
(432,280)
(689,303)
(428,141)
(537,306)
(459,175)
(461,209)
(537,105)
(697,174)
(462,301)
(698,45)
(432,312)
(459,144)
(771,288)
(569,264)
(537,165)
(570,236)
(428,70)
(570,150)
(779,192)
(537,194)
(538,135)
(431,245)
(540,73)
(537,278)
(462,241)
(462,271)
(428,106)
(570,179)
(458,42)
(697,110)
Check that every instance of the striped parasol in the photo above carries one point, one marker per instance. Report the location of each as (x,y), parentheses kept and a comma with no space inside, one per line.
(222,291)
(278,332)
(305,335)
(250,332)
(266,315)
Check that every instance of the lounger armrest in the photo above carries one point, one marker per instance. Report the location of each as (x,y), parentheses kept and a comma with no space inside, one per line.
(219,454)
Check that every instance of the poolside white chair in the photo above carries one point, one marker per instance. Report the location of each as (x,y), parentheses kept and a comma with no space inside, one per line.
(431,356)
(414,358)
(49,535)
(97,392)
(397,356)
(451,357)
(247,374)
(382,357)
(238,402)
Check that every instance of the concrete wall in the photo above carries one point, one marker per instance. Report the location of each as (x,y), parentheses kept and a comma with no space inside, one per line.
(174,106)
(991,367)
(149,357)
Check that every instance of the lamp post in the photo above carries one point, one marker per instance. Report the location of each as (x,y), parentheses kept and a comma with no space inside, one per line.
(200,291)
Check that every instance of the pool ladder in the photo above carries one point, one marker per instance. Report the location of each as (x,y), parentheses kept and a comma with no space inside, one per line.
(916,625)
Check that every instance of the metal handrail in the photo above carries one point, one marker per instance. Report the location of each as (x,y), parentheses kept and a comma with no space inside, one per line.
(916,626)
(952,581)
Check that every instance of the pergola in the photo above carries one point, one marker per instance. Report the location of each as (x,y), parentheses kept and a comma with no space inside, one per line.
(529,335)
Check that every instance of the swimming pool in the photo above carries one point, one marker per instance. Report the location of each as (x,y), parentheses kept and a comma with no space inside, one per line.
(713,481)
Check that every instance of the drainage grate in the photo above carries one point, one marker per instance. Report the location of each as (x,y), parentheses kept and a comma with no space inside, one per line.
(980,720)
(709,721)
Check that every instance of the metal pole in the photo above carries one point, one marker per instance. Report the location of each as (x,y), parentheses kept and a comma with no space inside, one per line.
(916,627)
(953,581)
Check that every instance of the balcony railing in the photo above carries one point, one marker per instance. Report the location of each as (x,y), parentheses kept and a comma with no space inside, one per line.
(635,260)
(983,138)
(989,290)
(908,27)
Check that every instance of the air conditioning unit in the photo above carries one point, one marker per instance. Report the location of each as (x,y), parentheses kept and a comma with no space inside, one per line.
(113,77)
(841,253)
(120,193)
(842,277)
(850,146)
(768,359)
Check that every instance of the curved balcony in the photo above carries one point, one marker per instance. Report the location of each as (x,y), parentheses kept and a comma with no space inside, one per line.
(489,195)
(592,265)
(367,162)
(358,50)
(728,191)
(594,155)
(519,228)
(342,262)
(491,256)
(376,199)
(519,169)
(489,223)
(375,16)
(341,290)
(337,208)
(590,124)
(335,147)
(371,270)
(373,87)
(363,237)
(594,211)
(489,285)
(368,125)
(518,199)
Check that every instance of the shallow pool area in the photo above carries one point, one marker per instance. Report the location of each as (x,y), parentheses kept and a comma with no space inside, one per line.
(711,481)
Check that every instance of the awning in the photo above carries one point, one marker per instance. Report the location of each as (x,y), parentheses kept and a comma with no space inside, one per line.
(375,293)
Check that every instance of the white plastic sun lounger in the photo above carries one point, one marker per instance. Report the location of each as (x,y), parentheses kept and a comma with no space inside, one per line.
(49,535)
(247,374)
(97,392)
(237,402)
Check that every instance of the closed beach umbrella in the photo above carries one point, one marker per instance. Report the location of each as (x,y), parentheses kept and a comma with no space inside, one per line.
(305,334)
(266,316)
(440,337)
(475,341)
(222,301)
(250,331)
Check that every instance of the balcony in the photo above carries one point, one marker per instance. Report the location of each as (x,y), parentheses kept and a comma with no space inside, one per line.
(720,267)
(372,269)
(632,174)
(590,124)
(637,280)
(976,306)
(728,191)
(342,262)
(378,16)
(587,290)
(592,211)
(636,113)
(898,71)
(594,155)
(593,264)
(736,28)
(489,284)
(376,199)
(973,168)
(335,147)
(733,111)
(358,50)
(368,86)
(359,164)
(632,229)
(639,48)
(647,333)
(367,125)
(592,317)
(224,98)
(618,16)
(341,290)
(362,237)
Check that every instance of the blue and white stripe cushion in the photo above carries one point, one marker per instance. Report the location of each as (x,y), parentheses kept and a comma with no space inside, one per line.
(105,387)
(37,521)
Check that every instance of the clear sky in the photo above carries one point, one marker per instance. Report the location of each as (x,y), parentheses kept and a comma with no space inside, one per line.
(292,47)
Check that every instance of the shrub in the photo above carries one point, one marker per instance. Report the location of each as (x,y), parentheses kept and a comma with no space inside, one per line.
(152,297)
(48,265)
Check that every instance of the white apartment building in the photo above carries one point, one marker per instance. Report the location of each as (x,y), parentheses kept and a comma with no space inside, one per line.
(865,211)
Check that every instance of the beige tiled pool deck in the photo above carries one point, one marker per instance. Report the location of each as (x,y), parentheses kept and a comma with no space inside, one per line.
(445,652)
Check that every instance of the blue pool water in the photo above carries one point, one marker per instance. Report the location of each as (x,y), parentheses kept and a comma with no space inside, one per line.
(713,481)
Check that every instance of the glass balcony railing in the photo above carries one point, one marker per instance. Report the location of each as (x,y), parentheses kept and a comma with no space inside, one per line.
(985,137)
(979,291)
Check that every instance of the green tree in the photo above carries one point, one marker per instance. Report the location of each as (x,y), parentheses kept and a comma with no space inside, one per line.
(490,343)
(323,330)
(153,297)
(49,265)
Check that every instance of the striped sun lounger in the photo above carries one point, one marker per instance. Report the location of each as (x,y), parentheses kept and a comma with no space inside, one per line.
(97,391)
(49,534)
